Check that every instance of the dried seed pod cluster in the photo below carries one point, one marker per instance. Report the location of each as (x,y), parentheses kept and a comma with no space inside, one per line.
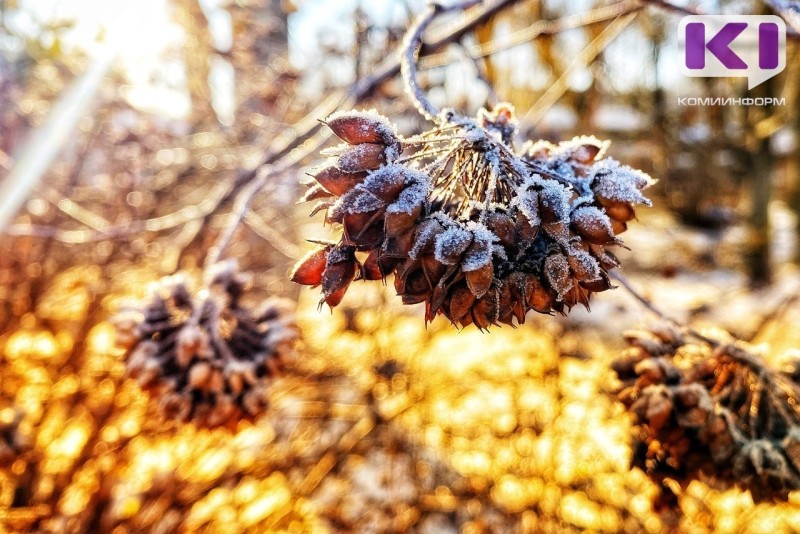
(478,231)
(207,357)
(714,412)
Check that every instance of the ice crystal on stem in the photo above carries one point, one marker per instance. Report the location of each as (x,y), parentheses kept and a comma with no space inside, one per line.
(207,357)
(479,232)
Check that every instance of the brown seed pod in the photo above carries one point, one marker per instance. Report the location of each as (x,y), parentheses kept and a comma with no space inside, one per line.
(399,223)
(315,192)
(620,211)
(374,268)
(486,311)
(364,230)
(538,297)
(357,127)
(337,181)
(503,227)
(593,225)
(206,358)
(584,149)
(461,301)
(363,157)
(308,271)
(618,227)
(480,280)
(340,269)
(398,247)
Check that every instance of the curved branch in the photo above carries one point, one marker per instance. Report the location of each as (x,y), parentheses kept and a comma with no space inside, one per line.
(411,45)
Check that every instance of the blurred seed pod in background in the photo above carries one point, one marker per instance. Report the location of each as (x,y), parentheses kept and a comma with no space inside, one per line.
(477,231)
(714,412)
(207,358)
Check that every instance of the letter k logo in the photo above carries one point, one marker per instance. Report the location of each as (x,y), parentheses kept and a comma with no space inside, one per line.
(746,46)
(719,45)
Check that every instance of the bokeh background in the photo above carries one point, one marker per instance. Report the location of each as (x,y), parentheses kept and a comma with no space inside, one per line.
(126,129)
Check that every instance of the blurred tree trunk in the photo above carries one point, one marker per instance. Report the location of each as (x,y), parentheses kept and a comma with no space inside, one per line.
(498,79)
(792,103)
(198,50)
(259,57)
(759,253)
(794,179)
(545,46)
(763,163)
(589,101)
(484,34)
(663,144)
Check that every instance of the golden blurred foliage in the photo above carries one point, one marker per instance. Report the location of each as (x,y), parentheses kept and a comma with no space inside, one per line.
(382,425)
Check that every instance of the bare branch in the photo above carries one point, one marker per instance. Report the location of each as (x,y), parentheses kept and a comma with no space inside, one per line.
(669,6)
(538,29)
(155,224)
(248,193)
(647,303)
(266,232)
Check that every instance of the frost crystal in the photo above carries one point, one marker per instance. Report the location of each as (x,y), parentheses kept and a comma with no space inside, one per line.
(583,149)
(451,244)
(556,269)
(357,201)
(426,235)
(411,198)
(480,253)
(619,182)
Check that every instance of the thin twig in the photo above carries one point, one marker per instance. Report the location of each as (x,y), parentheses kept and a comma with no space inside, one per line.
(482,75)
(156,224)
(669,6)
(538,29)
(624,282)
(240,207)
(773,315)
(266,232)
(411,46)
(246,195)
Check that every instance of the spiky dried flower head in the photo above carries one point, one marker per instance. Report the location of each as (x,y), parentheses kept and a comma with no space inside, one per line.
(711,411)
(207,357)
(479,232)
